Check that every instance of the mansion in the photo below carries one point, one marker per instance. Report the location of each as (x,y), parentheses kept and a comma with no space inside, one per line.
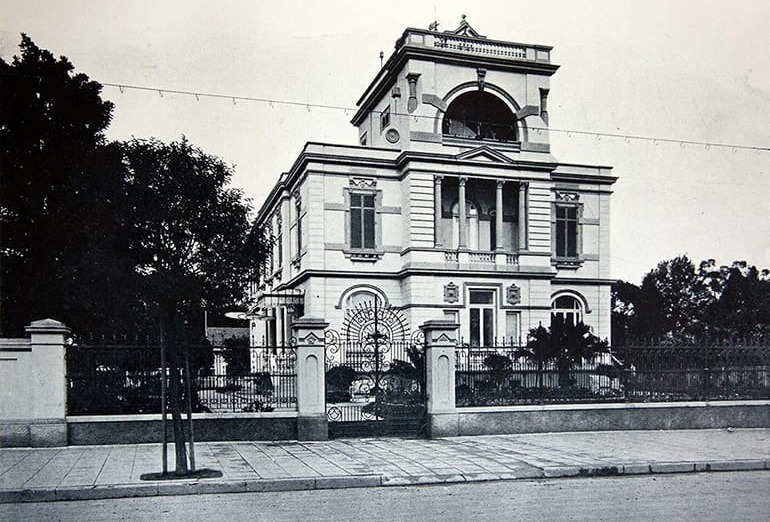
(450,206)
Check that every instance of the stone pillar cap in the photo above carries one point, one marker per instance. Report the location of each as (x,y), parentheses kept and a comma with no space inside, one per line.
(47,326)
(309,322)
(439,323)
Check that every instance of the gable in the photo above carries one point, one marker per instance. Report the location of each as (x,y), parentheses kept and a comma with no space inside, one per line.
(484,153)
(465,29)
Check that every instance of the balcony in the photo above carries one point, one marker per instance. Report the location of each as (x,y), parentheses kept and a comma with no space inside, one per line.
(480,260)
(474,46)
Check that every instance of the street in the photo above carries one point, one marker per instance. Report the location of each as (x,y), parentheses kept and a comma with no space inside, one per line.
(702,496)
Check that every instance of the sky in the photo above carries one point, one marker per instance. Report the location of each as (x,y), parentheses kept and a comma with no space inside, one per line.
(686,70)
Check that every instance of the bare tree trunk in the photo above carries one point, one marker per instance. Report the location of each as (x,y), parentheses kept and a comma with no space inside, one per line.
(164,391)
(175,387)
(188,404)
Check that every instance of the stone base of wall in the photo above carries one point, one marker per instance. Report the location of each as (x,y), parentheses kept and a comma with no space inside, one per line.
(606,417)
(442,425)
(38,433)
(314,427)
(133,429)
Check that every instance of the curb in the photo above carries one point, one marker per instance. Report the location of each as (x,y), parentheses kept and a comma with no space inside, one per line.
(364,481)
(187,488)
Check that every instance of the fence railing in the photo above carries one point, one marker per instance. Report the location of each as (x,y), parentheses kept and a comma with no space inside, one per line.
(489,376)
(114,379)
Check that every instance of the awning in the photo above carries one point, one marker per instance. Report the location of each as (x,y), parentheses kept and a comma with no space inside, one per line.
(271,300)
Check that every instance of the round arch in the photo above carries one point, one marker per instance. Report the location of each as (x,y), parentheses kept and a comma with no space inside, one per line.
(490,89)
(362,288)
(569,303)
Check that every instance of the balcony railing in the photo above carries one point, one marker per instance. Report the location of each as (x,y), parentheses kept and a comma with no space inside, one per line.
(482,258)
(480,47)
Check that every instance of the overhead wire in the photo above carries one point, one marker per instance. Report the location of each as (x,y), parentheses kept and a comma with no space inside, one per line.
(273,102)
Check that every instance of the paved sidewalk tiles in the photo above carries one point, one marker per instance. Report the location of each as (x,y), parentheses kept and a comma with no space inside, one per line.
(89,472)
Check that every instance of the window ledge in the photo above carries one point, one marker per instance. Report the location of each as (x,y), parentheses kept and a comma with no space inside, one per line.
(567,262)
(364,255)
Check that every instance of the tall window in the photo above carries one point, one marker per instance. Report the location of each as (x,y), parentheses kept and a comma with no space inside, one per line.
(298,207)
(568,309)
(362,208)
(482,317)
(385,118)
(279,244)
(566,233)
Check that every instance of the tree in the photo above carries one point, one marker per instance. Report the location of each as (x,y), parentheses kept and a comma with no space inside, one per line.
(740,304)
(500,368)
(192,242)
(566,344)
(676,300)
(60,244)
(539,349)
(237,355)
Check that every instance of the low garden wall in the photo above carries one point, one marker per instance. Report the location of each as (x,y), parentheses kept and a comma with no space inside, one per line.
(135,429)
(602,417)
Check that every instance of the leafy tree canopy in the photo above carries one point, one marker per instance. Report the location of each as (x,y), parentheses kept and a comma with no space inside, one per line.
(61,192)
(678,299)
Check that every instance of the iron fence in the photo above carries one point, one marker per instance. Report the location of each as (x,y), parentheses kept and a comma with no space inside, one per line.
(637,372)
(105,379)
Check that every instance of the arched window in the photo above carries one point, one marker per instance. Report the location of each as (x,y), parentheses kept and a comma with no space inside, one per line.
(568,308)
(362,298)
(481,116)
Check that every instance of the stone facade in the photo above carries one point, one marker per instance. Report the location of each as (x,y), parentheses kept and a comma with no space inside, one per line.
(450,207)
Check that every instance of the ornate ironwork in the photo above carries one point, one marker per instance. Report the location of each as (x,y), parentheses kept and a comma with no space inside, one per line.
(374,372)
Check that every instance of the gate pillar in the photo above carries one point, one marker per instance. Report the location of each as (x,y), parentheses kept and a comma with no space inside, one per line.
(311,357)
(440,343)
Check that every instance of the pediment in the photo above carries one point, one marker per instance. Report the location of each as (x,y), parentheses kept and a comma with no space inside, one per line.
(465,29)
(484,153)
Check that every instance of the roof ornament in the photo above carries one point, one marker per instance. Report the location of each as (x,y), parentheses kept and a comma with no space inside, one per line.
(465,29)
(433,26)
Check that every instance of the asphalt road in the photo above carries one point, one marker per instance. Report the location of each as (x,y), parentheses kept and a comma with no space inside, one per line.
(743,496)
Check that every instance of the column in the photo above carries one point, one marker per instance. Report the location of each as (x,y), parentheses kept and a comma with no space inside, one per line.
(311,378)
(463,221)
(437,210)
(523,232)
(48,400)
(499,215)
(440,343)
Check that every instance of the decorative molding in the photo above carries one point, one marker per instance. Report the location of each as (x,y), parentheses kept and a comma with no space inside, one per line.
(432,99)
(368,256)
(363,183)
(571,197)
(526,111)
(411,104)
(481,75)
(513,295)
(451,293)
(430,137)
(310,339)
(484,153)
(392,136)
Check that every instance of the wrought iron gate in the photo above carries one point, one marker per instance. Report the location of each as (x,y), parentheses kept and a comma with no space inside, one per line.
(375,375)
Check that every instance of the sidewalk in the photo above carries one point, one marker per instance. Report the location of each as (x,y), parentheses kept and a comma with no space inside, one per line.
(90,472)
